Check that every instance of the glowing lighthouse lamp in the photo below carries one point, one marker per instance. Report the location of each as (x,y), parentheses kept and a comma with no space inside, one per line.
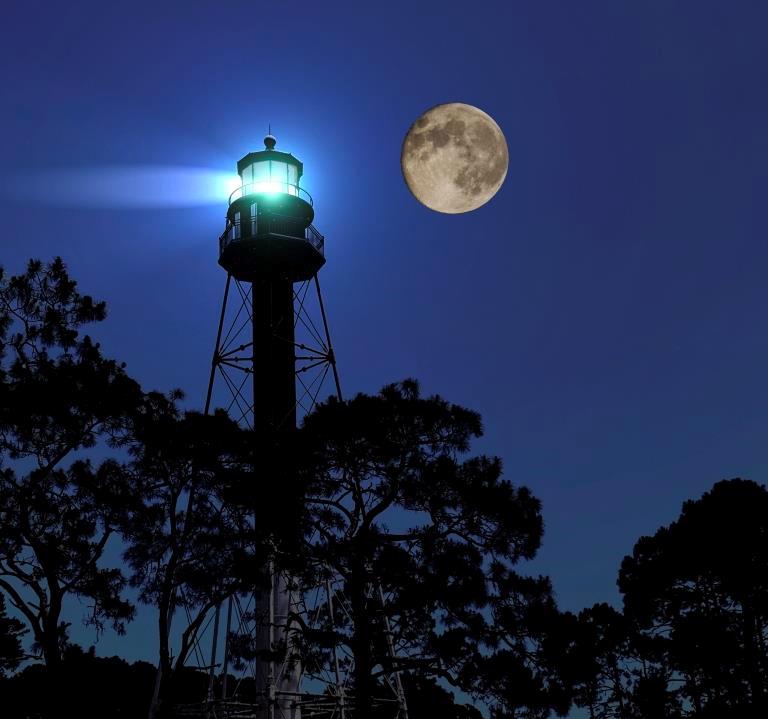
(269,233)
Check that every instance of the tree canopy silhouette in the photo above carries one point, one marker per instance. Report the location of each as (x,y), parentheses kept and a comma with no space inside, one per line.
(59,396)
(697,591)
(91,687)
(380,496)
(691,640)
(394,501)
(187,547)
(11,631)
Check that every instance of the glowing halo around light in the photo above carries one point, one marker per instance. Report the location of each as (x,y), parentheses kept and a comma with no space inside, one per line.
(126,186)
(271,187)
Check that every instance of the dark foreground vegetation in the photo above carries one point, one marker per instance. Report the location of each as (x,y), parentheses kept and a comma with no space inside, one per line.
(380,487)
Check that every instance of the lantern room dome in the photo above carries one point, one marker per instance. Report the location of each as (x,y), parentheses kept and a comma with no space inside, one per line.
(270,171)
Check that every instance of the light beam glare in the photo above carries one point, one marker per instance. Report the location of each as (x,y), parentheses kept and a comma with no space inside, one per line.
(126,186)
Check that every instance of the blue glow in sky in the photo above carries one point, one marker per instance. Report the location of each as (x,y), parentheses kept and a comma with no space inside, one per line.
(605,312)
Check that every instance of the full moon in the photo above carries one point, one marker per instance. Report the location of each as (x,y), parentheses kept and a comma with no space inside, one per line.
(454,158)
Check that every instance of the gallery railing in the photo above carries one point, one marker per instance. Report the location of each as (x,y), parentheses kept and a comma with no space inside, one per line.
(270,187)
(272,225)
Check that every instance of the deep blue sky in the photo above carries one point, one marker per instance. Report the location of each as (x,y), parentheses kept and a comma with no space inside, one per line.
(605,312)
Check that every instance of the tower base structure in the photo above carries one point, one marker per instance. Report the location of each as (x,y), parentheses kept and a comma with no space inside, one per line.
(272,683)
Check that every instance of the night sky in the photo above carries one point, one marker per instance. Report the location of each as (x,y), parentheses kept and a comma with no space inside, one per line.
(605,312)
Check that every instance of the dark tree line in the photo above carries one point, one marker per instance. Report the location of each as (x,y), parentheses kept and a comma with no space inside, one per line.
(692,637)
(425,540)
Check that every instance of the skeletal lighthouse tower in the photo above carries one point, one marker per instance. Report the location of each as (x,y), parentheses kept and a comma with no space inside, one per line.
(272,253)
(273,353)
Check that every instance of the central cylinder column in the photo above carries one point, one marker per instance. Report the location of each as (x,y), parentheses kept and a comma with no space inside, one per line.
(274,412)
(274,357)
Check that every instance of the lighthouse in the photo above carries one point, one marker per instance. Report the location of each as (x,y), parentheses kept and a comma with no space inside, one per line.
(269,247)
(272,356)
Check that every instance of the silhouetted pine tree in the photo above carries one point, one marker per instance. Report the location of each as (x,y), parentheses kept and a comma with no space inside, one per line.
(11,631)
(188,547)
(392,497)
(59,397)
(697,591)
(692,638)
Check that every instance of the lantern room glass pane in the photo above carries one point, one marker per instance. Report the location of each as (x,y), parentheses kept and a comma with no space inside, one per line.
(293,179)
(271,176)
(279,172)
(261,171)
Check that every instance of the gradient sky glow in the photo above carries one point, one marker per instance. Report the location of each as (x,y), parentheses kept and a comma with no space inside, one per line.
(605,312)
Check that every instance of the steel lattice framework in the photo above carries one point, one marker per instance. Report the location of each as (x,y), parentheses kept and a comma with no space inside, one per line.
(233,358)
(323,688)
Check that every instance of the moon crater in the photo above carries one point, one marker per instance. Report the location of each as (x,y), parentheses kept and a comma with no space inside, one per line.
(454,158)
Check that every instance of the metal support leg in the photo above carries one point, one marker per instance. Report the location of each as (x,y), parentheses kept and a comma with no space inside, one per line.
(212,670)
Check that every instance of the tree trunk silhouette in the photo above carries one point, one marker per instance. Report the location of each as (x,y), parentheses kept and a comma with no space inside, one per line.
(163,677)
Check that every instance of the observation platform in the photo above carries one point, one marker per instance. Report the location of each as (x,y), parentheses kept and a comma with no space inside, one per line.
(270,236)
